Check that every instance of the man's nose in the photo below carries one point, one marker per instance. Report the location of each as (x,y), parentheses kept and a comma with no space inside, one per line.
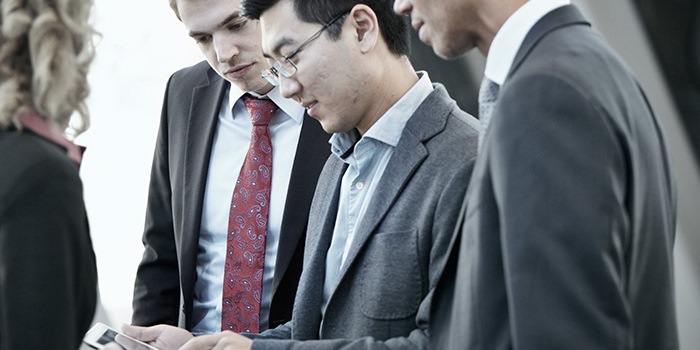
(225,49)
(289,87)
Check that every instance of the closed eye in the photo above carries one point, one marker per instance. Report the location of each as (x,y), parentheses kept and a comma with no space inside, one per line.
(202,39)
(237,25)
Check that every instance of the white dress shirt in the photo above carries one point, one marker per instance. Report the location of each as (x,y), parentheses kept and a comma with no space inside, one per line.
(510,37)
(229,149)
(366,164)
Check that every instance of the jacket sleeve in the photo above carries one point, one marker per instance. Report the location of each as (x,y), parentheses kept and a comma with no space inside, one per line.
(157,287)
(559,178)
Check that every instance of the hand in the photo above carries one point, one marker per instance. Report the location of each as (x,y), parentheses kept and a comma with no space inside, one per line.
(225,340)
(112,346)
(162,336)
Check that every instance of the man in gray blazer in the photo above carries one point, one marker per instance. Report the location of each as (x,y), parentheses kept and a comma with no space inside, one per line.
(388,197)
(567,237)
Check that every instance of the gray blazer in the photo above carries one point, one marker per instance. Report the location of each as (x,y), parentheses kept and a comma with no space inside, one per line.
(567,238)
(382,296)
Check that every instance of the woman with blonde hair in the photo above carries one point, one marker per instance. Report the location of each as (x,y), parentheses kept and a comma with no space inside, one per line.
(48,278)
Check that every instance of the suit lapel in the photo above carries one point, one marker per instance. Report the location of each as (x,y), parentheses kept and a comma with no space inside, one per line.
(563,16)
(308,304)
(203,115)
(429,119)
(309,159)
(407,156)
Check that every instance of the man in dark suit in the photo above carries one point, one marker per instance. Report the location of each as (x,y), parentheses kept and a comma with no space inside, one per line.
(388,197)
(203,139)
(567,234)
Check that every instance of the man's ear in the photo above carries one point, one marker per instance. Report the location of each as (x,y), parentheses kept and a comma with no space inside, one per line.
(366,26)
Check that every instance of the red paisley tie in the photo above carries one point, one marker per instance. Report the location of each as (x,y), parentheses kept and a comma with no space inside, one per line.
(245,249)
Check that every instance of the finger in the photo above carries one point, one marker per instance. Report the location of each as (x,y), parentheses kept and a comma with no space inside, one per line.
(112,346)
(130,344)
(202,342)
(145,334)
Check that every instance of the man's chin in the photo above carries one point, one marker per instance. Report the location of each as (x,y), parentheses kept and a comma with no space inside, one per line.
(442,51)
(260,87)
(447,52)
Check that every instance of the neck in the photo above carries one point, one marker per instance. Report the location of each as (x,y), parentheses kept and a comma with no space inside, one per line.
(492,18)
(392,81)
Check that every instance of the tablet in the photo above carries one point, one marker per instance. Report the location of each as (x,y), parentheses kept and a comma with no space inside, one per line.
(100,335)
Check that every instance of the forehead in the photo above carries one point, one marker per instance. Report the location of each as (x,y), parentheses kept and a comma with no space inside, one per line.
(206,12)
(281,28)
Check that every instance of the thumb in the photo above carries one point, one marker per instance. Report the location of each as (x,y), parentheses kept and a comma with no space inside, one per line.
(145,334)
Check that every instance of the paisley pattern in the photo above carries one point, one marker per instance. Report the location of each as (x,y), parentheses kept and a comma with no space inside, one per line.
(245,250)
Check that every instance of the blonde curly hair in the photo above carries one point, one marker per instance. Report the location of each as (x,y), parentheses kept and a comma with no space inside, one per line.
(45,50)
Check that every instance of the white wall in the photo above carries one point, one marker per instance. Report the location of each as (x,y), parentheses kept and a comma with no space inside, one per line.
(142,43)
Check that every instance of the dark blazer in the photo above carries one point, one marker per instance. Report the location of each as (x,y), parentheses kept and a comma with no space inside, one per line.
(165,279)
(401,243)
(48,276)
(567,237)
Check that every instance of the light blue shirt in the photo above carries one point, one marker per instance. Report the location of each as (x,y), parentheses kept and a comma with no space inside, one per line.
(229,149)
(366,164)
(510,37)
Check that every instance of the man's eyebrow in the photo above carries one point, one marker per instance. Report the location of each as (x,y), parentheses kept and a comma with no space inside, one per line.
(230,18)
(278,46)
(227,20)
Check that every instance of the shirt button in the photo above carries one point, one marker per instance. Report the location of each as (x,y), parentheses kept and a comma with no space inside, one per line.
(359,185)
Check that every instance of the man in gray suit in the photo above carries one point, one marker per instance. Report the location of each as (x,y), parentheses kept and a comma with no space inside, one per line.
(388,197)
(567,237)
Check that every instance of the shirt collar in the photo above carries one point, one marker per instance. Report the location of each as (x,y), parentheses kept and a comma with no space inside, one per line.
(289,107)
(41,127)
(510,37)
(389,127)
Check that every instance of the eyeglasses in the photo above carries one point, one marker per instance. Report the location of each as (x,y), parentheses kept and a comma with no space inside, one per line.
(284,65)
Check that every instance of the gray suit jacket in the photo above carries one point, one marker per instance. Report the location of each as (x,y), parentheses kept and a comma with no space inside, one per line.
(164,287)
(382,296)
(567,238)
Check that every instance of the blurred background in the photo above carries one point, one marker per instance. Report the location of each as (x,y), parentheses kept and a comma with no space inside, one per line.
(142,43)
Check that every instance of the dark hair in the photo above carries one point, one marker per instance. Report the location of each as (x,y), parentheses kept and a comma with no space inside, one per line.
(394,28)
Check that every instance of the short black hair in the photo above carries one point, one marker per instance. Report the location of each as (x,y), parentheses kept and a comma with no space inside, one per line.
(394,28)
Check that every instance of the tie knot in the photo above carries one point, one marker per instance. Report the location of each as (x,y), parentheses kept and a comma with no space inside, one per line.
(261,109)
